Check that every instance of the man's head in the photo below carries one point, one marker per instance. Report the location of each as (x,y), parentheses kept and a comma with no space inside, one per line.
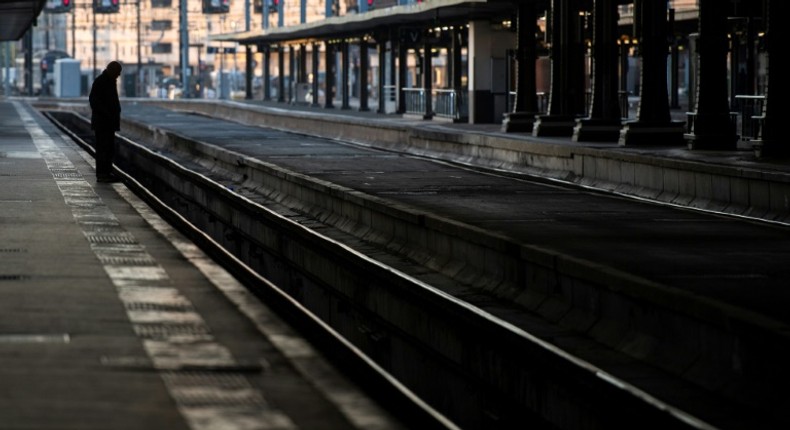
(114,69)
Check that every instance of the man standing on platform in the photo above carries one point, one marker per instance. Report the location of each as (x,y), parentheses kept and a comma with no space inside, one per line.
(105,119)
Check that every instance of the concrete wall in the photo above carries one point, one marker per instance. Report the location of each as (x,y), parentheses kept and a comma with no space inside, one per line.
(488,71)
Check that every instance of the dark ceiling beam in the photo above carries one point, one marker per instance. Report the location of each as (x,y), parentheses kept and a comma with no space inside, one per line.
(427,14)
(16,16)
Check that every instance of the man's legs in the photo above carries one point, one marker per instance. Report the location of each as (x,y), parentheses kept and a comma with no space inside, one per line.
(105,149)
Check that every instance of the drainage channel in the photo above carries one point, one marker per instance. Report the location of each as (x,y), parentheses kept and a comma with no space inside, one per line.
(475,368)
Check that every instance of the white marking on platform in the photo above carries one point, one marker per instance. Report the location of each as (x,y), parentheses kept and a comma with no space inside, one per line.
(148,317)
(136,273)
(177,355)
(35,338)
(21,154)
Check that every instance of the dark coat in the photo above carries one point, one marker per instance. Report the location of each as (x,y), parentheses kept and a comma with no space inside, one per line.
(105,106)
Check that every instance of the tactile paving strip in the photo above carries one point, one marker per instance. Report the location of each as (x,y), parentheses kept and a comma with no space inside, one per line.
(126,261)
(121,238)
(169,331)
(158,307)
(65,173)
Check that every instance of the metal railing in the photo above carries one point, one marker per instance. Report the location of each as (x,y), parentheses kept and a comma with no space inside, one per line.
(449,103)
(747,116)
(749,109)
(452,104)
(415,100)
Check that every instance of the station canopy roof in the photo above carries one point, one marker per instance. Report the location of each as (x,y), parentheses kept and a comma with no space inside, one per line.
(429,13)
(16,16)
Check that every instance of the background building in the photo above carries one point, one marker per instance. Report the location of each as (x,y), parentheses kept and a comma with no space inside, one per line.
(153,39)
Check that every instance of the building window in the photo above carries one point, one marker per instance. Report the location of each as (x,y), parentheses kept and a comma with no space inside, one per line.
(161,24)
(161,3)
(161,48)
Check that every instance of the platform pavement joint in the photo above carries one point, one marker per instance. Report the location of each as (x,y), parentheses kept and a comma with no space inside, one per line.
(625,290)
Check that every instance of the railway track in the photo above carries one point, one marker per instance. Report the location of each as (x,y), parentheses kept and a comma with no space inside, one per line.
(439,360)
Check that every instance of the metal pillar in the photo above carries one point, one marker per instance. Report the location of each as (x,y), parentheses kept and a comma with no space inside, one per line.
(772,141)
(393,71)
(184,45)
(265,15)
(382,51)
(364,67)
(522,119)
(603,123)
(403,50)
(7,63)
(267,57)
(329,72)
(566,98)
(711,127)
(315,58)
(28,42)
(457,57)
(281,81)
(344,74)
(139,86)
(291,73)
(674,102)
(427,77)
(653,125)
(301,73)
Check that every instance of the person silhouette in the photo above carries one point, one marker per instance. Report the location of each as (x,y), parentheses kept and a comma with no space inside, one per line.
(105,119)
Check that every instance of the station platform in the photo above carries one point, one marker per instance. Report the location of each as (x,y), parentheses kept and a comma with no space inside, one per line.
(110,319)
(735,182)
